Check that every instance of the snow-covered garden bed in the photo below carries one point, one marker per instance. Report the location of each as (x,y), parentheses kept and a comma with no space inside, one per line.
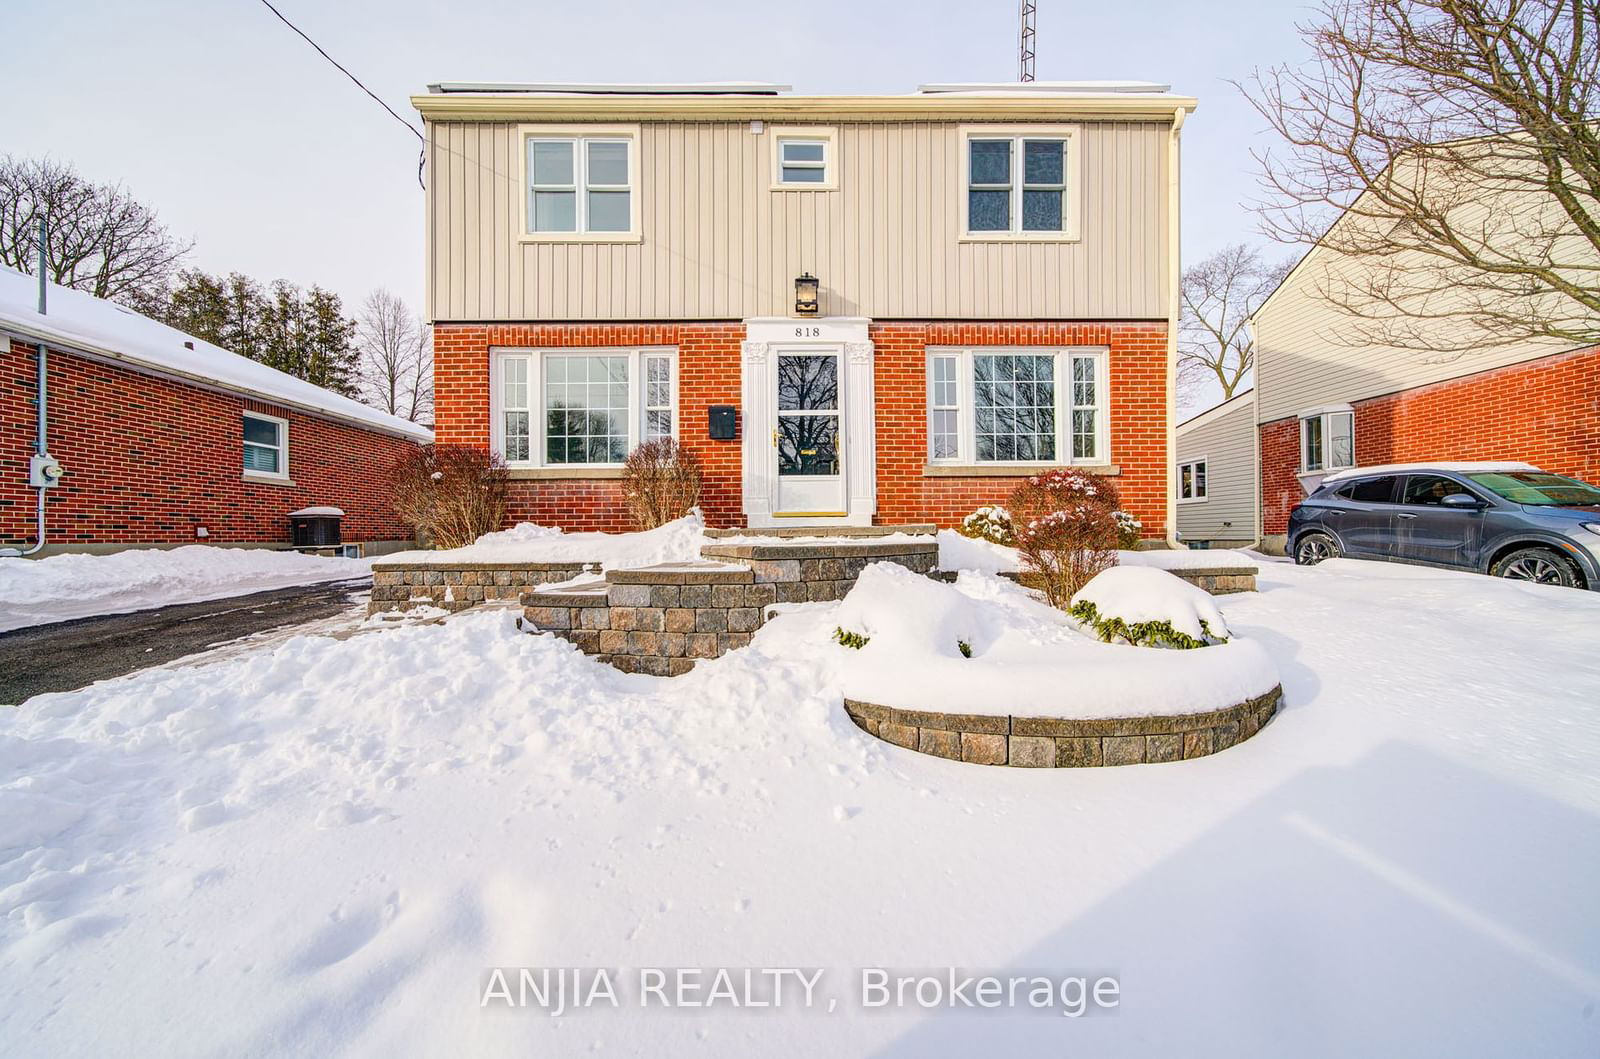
(63,587)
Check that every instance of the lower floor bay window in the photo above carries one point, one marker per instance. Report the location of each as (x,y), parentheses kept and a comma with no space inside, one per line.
(994,405)
(1327,439)
(581,407)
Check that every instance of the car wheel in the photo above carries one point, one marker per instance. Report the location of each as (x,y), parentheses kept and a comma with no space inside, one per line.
(1542,566)
(1312,548)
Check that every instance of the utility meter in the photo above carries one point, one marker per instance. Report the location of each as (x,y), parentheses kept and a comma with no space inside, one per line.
(44,471)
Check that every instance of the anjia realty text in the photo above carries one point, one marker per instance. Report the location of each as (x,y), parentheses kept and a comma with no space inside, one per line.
(558,991)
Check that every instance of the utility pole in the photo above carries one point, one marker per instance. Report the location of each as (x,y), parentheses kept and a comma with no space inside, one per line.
(1025,52)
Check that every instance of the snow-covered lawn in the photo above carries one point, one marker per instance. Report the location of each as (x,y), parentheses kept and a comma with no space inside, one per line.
(321,848)
(63,587)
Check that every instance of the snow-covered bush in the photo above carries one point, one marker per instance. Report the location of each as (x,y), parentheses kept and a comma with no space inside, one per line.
(661,482)
(451,494)
(1129,529)
(891,611)
(1065,529)
(1147,607)
(991,522)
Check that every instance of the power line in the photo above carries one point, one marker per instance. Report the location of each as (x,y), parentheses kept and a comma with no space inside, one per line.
(421,158)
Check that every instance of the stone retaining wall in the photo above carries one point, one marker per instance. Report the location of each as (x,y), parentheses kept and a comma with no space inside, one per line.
(811,573)
(655,620)
(661,619)
(1219,581)
(457,586)
(1047,742)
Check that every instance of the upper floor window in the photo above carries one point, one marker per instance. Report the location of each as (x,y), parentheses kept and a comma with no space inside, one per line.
(1327,440)
(581,407)
(1019,184)
(266,445)
(804,159)
(1191,481)
(993,405)
(581,187)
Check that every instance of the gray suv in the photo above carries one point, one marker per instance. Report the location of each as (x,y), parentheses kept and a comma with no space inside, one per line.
(1508,520)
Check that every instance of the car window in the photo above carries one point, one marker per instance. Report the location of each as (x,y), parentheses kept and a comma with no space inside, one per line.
(1537,487)
(1431,489)
(1370,490)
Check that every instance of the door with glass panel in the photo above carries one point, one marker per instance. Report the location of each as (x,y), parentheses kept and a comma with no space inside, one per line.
(807,441)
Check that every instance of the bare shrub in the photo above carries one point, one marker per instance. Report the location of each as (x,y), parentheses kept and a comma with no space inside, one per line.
(1065,526)
(452,494)
(661,482)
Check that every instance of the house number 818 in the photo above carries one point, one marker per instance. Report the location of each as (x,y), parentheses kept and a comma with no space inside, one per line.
(808,332)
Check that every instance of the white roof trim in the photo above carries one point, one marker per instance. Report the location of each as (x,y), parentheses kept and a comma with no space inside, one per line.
(1215,412)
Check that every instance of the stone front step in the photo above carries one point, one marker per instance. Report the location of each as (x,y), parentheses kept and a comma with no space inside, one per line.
(662,619)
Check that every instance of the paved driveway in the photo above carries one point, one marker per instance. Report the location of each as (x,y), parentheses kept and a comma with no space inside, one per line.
(68,655)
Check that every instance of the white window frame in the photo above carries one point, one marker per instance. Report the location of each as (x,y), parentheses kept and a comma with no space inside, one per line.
(966,417)
(1200,496)
(535,357)
(1325,417)
(579,137)
(1072,200)
(282,473)
(825,135)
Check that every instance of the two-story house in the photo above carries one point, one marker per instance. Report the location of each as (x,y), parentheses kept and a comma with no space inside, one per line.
(856,310)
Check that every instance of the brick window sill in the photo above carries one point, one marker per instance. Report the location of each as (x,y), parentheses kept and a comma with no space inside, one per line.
(267,479)
(984,470)
(563,474)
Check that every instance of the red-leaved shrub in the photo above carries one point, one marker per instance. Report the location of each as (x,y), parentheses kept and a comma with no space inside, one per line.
(1065,526)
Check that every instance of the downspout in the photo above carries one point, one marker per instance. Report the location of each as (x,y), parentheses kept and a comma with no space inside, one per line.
(37,466)
(1175,303)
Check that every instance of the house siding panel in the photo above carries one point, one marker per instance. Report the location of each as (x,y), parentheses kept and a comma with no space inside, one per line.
(718,244)
(1227,444)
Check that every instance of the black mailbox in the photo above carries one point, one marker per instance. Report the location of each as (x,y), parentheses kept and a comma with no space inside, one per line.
(724,422)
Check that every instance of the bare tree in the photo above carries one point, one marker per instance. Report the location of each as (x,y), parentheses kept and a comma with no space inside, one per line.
(1214,338)
(1463,139)
(396,357)
(101,239)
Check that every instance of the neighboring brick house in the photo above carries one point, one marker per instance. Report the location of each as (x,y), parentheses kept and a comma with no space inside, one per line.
(166,439)
(995,274)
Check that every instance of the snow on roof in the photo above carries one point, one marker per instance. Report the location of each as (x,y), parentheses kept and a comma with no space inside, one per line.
(578,88)
(82,322)
(1466,467)
(314,512)
(1075,88)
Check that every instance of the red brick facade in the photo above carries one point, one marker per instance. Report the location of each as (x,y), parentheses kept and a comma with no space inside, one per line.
(709,373)
(150,459)
(1546,412)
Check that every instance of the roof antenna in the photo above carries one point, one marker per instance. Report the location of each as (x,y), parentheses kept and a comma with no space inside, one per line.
(1025,52)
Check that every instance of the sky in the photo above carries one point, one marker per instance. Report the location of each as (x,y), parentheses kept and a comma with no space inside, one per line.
(249,143)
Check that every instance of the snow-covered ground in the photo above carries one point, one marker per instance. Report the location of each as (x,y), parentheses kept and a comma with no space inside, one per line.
(526,542)
(63,587)
(322,847)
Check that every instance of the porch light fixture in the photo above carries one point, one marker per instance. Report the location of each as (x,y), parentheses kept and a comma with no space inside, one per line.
(805,295)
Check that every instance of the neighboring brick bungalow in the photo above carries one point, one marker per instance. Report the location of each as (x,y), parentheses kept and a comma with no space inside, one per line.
(167,440)
(995,280)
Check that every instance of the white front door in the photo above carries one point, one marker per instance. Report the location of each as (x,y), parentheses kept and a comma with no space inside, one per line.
(808,440)
(808,446)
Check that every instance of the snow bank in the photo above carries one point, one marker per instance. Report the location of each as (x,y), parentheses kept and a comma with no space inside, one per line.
(676,542)
(82,321)
(1143,593)
(1028,659)
(63,587)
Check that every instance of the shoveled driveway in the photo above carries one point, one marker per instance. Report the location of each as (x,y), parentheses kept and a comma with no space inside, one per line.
(68,655)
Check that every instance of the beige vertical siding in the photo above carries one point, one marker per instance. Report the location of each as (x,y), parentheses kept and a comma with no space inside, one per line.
(1227,444)
(719,244)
